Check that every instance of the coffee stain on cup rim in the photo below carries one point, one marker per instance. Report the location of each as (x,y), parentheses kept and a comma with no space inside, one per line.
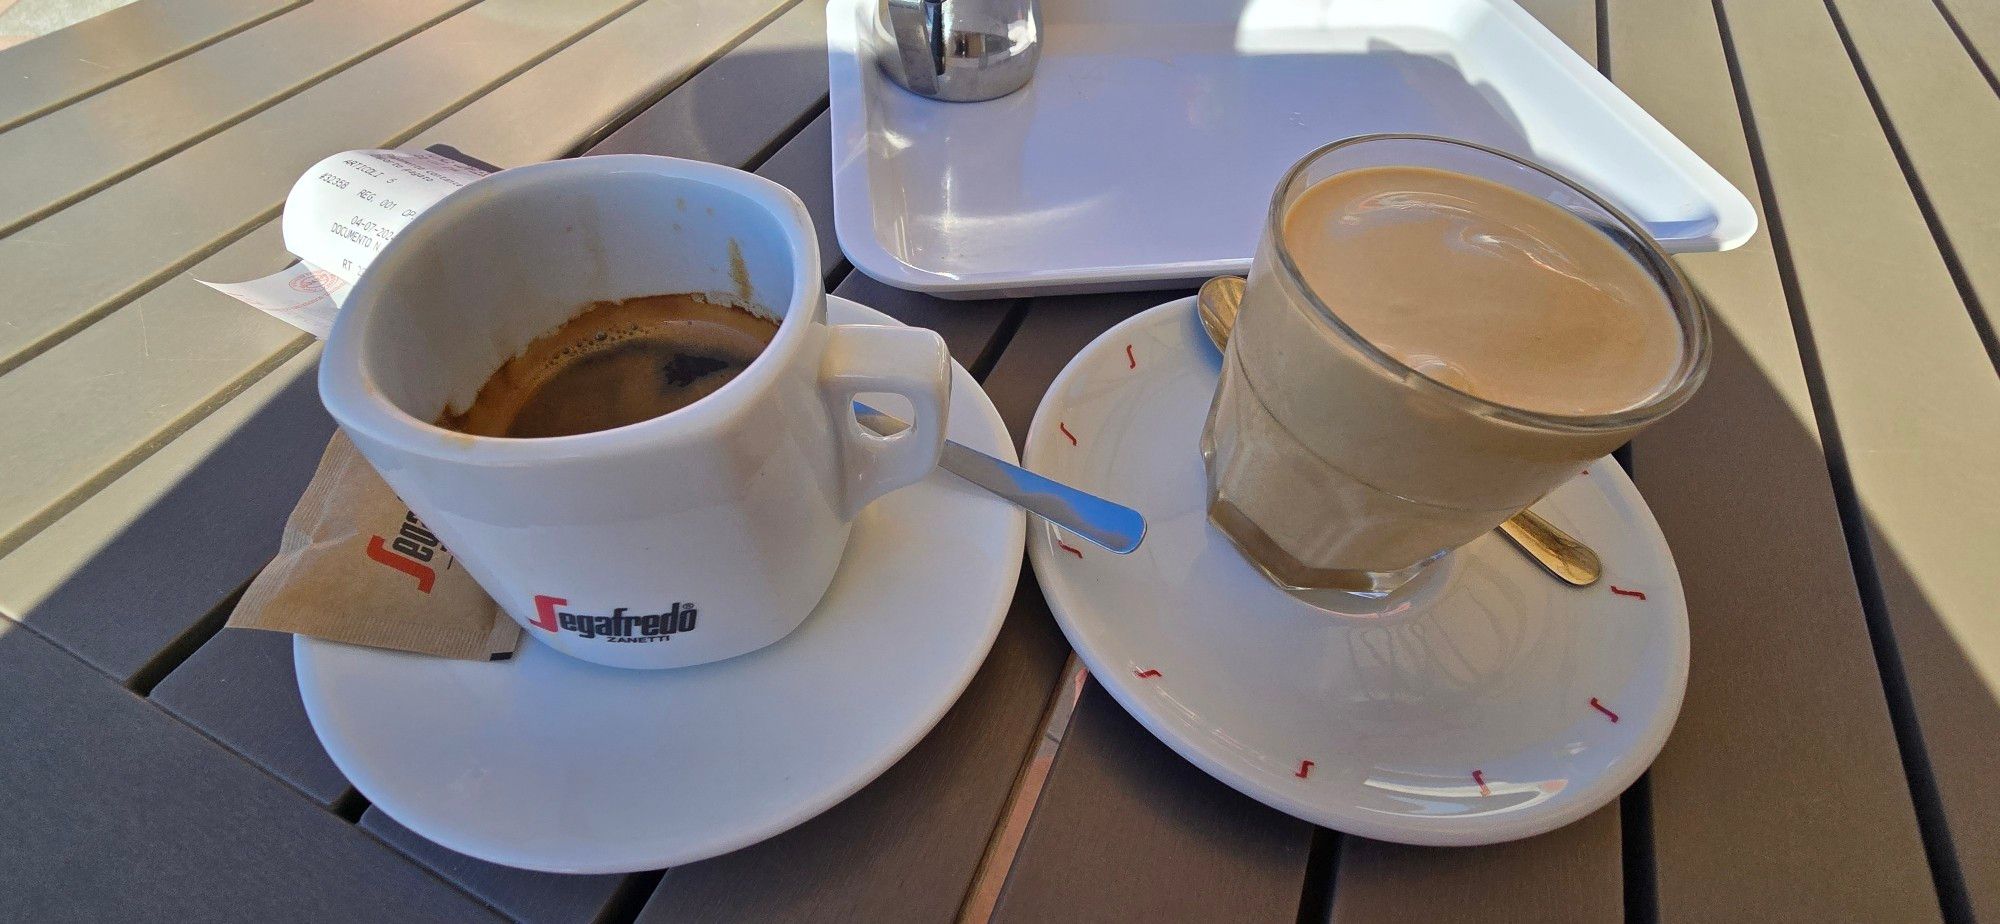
(739,273)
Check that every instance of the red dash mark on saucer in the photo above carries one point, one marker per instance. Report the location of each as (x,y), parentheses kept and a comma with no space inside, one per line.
(1134,360)
(1620,591)
(1148,672)
(1305,769)
(1594,704)
(1065,430)
(1480,778)
(1073,550)
(1586,471)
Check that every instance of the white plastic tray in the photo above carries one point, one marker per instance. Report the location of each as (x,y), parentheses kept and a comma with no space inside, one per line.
(1146,147)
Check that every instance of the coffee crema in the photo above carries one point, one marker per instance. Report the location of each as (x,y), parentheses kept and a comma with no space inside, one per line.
(1487,289)
(616,363)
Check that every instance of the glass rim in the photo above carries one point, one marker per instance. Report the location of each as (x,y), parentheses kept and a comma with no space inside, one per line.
(1689,313)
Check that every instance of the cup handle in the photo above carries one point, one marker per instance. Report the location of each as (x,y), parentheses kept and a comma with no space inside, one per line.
(906,361)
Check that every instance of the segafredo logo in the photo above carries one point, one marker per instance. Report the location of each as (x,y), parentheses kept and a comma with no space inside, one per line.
(620,626)
(410,552)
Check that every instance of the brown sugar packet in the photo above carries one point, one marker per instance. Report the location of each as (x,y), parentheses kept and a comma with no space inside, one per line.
(356,566)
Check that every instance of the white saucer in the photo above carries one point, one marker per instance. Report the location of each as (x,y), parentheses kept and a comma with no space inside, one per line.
(1464,710)
(550,763)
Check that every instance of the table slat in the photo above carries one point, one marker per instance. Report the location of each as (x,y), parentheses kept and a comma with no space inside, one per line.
(74,266)
(1909,384)
(660,48)
(74,416)
(1948,121)
(1947,118)
(968,327)
(523,895)
(116,812)
(137,376)
(906,846)
(1126,830)
(1979,22)
(1573,21)
(1090,803)
(200,537)
(95,141)
(86,260)
(1780,794)
(1564,875)
(49,71)
(131,525)
(742,104)
(239,687)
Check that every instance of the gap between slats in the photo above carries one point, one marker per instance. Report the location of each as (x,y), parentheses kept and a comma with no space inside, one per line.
(1638,873)
(185,646)
(1965,41)
(778,143)
(131,169)
(1929,805)
(57,508)
(182,265)
(631,895)
(348,808)
(618,121)
(1640,891)
(1939,236)
(72,99)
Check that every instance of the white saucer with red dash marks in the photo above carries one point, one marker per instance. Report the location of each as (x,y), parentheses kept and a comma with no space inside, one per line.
(1483,703)
(551,763)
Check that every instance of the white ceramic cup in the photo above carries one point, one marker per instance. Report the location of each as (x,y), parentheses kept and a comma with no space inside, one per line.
(691,537)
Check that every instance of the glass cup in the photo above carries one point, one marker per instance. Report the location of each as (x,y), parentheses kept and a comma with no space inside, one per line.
(1332,465)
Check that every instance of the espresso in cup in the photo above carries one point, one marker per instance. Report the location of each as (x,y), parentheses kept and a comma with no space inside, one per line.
(1433,336)
(614,364)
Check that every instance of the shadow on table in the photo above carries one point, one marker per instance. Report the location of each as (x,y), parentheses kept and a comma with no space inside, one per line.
(146,599)
(1752,522)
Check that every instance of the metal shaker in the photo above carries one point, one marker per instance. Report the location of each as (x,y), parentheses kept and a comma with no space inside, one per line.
(958,50)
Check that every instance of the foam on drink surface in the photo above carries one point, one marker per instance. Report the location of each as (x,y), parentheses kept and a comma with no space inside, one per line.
(1487,289)
(616,363)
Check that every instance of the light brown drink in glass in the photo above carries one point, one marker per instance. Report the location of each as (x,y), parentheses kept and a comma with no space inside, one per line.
(1496,293)
(1325,463)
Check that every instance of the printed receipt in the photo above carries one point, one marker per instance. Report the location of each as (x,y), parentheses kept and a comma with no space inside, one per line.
(338,216)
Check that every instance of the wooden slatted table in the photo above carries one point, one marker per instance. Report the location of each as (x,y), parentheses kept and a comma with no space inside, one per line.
(1831,495)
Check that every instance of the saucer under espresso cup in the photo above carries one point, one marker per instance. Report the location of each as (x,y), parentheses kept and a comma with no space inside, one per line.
(1481,703)
(552,763)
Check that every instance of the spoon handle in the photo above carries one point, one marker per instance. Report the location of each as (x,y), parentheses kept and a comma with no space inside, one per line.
(1115,527)
(1556,551)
